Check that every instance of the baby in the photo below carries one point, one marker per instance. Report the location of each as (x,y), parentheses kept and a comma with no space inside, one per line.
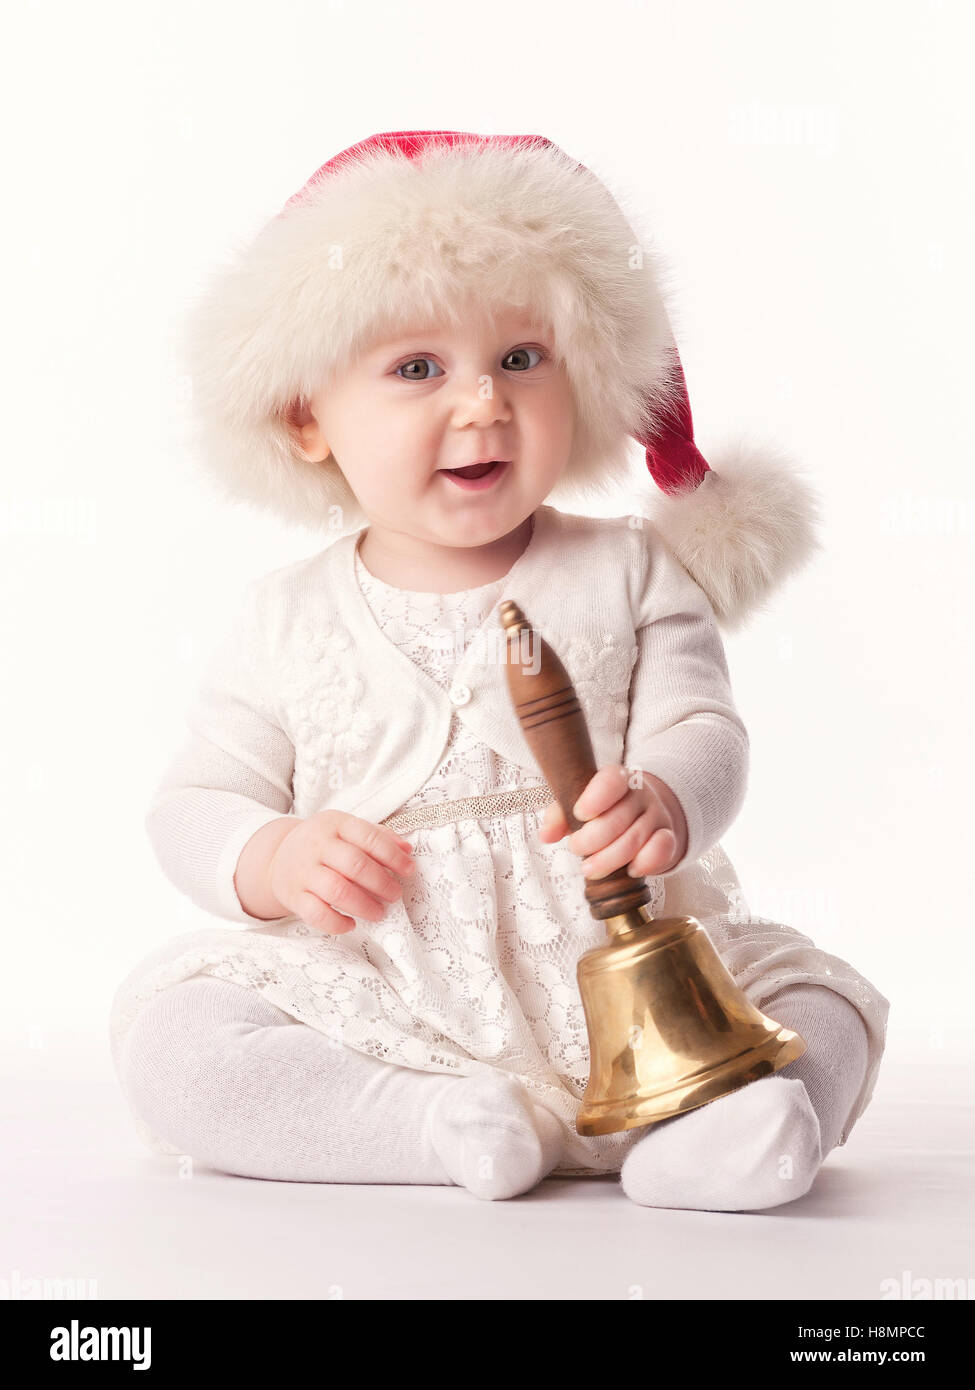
(400,1005)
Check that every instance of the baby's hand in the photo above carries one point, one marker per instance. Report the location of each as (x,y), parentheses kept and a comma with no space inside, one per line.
(334,863)
(632,818)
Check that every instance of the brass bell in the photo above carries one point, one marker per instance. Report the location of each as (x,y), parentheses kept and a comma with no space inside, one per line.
(668,1027)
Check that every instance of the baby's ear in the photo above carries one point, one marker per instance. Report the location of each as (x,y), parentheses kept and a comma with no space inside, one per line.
(305,432)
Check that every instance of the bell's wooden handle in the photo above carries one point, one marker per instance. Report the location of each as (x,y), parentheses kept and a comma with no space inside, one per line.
(555,727)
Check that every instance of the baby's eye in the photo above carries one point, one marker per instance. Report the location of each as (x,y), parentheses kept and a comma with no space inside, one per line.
(520,352)
(411,376)
(516,357)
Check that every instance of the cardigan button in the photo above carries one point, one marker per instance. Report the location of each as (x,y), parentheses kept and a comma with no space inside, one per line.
(460,694)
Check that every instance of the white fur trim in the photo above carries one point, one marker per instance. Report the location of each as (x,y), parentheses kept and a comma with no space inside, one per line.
(744,530)
(389,240)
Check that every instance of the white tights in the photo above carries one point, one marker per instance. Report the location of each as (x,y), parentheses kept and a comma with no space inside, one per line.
(233,1081)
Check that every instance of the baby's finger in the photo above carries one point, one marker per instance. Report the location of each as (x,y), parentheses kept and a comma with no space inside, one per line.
(344,895)
(602,832)
(656,856)
(554,824)
(381,844)
(318,914)
(371,879)
(601,792)
(625,844)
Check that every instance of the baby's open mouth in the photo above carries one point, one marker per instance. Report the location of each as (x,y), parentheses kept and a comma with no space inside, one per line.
(477,477)
(473,470)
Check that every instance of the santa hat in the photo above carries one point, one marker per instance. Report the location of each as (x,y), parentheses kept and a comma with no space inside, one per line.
(411,226)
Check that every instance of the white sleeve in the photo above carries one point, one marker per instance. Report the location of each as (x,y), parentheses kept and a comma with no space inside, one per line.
(683,726)
(232,775)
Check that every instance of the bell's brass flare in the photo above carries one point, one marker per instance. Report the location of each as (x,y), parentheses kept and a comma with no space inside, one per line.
(669,1029)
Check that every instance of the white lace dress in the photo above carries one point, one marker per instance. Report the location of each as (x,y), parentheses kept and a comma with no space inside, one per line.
(474,967)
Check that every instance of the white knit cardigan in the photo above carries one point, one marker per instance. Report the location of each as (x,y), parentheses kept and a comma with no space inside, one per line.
(321,710)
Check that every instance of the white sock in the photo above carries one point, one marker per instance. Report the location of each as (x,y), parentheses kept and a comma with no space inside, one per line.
(241,1086)
(834,1064)
(754,1148)
(492,1139)
(763,1144)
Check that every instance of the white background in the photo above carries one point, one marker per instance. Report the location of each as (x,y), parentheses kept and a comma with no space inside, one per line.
(806,171)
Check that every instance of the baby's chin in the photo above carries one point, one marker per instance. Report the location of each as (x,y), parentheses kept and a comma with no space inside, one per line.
(461,524)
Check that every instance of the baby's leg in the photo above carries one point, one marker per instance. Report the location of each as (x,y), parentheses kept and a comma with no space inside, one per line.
(763,1144)
(235,1082)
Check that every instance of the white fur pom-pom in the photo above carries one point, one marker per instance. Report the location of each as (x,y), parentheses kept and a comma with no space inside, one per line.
(747,527)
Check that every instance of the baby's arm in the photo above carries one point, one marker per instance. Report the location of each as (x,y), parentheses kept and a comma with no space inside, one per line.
(683,726)
(230,780)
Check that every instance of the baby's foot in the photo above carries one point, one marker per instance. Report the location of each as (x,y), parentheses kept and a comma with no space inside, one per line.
(756,1147)
(491,1138)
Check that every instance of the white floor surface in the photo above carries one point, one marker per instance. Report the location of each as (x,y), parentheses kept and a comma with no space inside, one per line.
(85,1201)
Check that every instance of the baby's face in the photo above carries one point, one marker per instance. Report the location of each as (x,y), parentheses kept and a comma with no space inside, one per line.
(443,397)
